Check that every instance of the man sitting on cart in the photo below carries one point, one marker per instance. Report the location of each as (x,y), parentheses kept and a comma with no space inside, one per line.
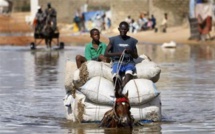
(122,50)
(39,20)
(94,50)
(51,15)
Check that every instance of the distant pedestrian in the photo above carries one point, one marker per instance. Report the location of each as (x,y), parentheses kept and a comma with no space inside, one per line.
(108,22)
(149,24)
(140,22)
(153,19)
(145,21)
(128,19)
(78,18)
(134,27)
(204,26)
(163,26)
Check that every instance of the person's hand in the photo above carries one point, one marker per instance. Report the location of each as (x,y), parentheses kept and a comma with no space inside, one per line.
(128,51)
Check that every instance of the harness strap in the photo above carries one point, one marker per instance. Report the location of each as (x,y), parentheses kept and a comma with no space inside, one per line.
(119,65)
(122,100)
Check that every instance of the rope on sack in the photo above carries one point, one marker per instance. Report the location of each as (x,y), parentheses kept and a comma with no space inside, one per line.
(140,109)
(98,107)
(74,92)
(84,74)
(101,74)
(99,83)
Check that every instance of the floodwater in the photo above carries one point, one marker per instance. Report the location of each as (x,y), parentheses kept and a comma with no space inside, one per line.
(32,91)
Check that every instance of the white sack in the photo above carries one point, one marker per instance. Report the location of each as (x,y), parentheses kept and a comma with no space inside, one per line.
(142,58)
(70,67)
(140,91)
(76,75)
(76,79)
(149,111)
(96,112)
(98,90)
(95,68)
(148,70)
(99,69)
(101,91)
(92,112)
(72,106)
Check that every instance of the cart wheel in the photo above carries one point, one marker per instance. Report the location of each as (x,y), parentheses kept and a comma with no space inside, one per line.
(32,46)
(61,45)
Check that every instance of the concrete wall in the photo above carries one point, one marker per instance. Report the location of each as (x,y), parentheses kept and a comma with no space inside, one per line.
(66,8)
(177,9)
(120,9)
(20,5)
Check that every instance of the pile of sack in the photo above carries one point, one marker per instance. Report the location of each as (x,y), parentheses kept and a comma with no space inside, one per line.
(90,91)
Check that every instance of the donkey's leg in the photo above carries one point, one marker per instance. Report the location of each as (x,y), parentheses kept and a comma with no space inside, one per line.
(50,42)
(47,42)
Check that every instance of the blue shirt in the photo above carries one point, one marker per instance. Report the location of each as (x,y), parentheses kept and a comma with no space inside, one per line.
(119,45)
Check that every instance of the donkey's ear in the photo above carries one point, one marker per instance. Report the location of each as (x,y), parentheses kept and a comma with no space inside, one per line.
(117,94)
(126,94)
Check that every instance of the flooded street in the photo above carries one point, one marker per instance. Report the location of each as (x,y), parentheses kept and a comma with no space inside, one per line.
(32,91)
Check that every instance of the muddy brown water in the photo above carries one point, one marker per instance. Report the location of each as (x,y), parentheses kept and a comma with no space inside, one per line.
(32,91)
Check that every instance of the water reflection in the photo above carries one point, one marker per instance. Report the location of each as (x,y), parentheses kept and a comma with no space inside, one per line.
(180,53)
(32,89)
(46,63)
(154,128)
(16,34)
(202,52)
(160,54)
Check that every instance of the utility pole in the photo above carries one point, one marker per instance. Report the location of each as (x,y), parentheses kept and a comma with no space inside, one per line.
(34,7)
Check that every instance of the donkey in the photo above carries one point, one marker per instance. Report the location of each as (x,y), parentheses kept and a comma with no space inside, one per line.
(120,115)
(48,33)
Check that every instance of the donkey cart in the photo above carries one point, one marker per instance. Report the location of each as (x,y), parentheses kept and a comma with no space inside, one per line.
(49,37)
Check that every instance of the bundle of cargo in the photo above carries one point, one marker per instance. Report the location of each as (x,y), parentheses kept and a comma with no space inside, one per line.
(90,91)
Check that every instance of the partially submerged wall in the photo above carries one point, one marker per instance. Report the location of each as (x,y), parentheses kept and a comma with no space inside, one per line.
(177,9)
(66,8)
(120,9)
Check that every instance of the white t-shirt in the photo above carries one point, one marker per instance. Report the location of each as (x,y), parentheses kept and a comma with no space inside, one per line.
(128,20)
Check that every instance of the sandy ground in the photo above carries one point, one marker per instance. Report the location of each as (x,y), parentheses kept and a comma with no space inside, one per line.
(15,23)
